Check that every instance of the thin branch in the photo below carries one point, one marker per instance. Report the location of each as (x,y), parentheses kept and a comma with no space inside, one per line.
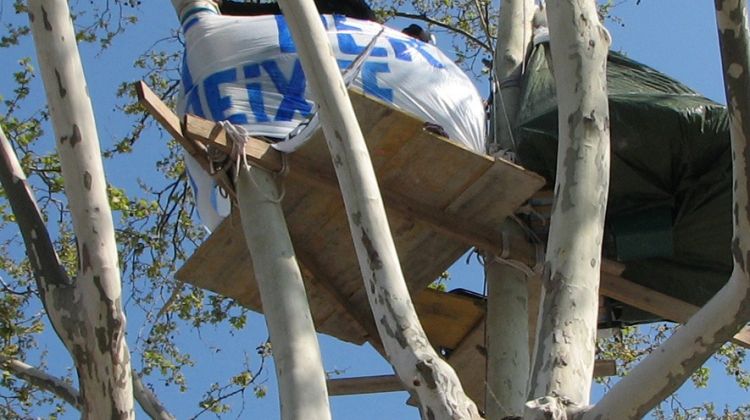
(431,21)
(148,400)
(43,380)
(484,21)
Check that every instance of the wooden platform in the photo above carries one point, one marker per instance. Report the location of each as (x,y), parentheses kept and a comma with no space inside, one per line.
(441,199)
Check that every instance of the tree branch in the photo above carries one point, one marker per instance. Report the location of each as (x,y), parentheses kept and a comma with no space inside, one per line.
(50,275)
(41,252)
(431,21)
(148,401)
(43,380)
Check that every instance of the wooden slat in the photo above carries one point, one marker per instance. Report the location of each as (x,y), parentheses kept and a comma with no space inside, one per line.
(428,238)
(447,317)
(390,383)
(364,385)
(163,115)
(659,304)
(209,133)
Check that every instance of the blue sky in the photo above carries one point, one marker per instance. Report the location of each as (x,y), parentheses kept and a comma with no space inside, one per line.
(677,37)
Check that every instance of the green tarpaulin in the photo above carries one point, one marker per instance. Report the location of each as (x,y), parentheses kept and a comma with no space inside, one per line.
(669,211)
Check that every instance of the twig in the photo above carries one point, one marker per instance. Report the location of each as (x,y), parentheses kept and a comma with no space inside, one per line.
(431,21)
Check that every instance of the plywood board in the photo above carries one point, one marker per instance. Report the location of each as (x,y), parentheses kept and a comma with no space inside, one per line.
(434,192)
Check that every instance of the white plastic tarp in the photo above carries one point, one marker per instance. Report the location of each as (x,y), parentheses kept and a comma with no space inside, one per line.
(246,70)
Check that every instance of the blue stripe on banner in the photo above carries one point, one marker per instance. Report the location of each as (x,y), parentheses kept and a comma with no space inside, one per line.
(286,44)
(255,93)
(186,27)
(194,11)
(370,81)
(347,44)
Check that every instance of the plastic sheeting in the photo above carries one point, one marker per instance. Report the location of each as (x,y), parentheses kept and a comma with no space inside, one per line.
(670,174)
(246,70)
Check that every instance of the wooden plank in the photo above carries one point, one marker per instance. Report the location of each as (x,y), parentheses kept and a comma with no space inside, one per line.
(447,317)
(390,383)
(364,385)
(163,115)
(211,134)
(171,122)
(420,171)
(469,361)
(657,303)
(496,194)
(427,237)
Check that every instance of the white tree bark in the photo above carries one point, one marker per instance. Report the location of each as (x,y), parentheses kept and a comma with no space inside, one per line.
(93,324)
(564,356)
(507,289)
(296,354)
(507,341)
(662,372)
(513,39)
(52,281)
(417,364)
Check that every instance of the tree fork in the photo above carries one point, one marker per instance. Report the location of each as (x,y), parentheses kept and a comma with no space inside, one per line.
(417,364)
(92,316)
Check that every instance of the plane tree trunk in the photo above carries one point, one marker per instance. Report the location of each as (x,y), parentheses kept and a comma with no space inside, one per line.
(565,345)
(87,313)
(417,364)
(667,368)
(296,353)
(507,289)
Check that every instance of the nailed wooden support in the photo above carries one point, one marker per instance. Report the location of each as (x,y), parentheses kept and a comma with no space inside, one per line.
(171,123)
(665,306)
(390,383)
(212,134)
(364,385)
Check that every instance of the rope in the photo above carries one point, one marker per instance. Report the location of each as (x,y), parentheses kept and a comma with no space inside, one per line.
(240,137)
(519,265)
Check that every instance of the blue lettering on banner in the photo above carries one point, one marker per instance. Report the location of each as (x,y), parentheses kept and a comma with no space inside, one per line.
(292,90)
(286,45)
(401,47)
(347,44)
(255,93)
(217,103)
(370,79)
(192,99)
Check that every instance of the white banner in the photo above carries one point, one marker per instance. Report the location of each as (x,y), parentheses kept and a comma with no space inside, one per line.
(246,70)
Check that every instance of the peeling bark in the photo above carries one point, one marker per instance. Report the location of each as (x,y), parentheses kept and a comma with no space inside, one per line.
(417,364)
(667,368)
(89,314)
(564,357)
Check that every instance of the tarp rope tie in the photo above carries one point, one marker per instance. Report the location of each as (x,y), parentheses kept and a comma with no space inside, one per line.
(502,258)
(240,137)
